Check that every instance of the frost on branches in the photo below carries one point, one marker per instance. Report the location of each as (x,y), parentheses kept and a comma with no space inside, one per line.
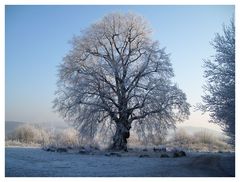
(116,77)
(219,96)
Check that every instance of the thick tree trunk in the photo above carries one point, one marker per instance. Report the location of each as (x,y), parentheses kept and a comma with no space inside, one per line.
(121,136)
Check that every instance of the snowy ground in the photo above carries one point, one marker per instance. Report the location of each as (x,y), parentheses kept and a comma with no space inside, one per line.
(34,162)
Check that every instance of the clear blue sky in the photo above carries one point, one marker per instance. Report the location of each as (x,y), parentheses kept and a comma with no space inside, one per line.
(37,40)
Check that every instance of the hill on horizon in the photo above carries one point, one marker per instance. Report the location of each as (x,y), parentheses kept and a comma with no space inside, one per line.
(10,126)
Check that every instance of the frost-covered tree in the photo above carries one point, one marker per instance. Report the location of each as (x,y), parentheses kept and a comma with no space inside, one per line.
(116,76)
(219,91)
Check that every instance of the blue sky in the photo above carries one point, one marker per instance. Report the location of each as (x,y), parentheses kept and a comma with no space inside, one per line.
(36,40)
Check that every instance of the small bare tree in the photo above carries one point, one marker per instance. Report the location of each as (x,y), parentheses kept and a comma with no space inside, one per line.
(117,75)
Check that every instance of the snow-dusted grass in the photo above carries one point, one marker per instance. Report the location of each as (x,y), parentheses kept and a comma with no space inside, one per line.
(36,162)
(16,143)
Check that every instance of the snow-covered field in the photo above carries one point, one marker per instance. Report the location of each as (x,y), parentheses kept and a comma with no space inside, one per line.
(35,162)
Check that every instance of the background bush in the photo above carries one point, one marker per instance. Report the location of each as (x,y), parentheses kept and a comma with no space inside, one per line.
(66,138)
(199,141)
(29,134)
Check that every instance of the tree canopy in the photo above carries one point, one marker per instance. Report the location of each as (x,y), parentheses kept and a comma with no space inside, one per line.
(116,76)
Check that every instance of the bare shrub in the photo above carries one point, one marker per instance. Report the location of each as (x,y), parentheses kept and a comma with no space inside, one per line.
(158,139)
(70,137)
(181,137)
(65,138)
(25,134)
(42,136)
(211,141)
(28,134)
(205,137)
(199,141)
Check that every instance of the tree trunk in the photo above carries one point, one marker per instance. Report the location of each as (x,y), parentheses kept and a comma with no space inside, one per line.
(121,136)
